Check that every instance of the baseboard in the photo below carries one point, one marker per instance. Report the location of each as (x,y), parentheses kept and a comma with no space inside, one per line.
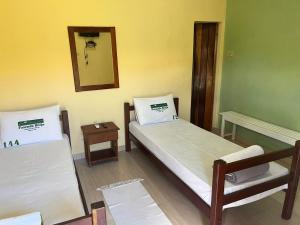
(78,156)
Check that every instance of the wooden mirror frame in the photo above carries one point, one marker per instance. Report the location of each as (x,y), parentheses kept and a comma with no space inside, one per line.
(111,30)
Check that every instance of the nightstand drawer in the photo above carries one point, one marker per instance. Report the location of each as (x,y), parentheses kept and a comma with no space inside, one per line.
(102,137)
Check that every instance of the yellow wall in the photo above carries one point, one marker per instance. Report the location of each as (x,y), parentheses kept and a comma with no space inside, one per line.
(154,43)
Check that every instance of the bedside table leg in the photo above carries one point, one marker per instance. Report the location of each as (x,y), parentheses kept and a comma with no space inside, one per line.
(114,146)
(87,152)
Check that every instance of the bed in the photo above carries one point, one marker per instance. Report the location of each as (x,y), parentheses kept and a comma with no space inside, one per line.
(42,177)
(200,174)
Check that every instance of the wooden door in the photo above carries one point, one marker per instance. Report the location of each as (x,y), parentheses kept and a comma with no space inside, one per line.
(203,80)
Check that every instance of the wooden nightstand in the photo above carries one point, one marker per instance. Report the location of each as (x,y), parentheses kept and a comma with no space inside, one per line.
(92,135)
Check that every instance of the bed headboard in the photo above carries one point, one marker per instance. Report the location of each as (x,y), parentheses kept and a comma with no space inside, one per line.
(65,123)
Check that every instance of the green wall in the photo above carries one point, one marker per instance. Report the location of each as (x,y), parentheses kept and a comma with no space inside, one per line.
(262,78)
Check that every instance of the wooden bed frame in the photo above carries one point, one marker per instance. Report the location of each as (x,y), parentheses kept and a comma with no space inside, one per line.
(98,215)
(220,168)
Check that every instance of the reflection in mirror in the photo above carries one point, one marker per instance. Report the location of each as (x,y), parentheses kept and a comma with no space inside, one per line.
(94,57)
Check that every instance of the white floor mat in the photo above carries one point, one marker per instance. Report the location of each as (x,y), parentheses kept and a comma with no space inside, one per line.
(130,204)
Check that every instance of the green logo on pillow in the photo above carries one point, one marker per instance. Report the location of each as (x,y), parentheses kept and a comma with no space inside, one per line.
(31,125)
(159,107)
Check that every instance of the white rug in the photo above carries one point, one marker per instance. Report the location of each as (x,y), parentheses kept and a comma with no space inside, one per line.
(130,204)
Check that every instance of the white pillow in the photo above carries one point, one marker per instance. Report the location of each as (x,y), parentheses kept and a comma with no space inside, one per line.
(32,126)
(245,153)
(155,110)
(28,219)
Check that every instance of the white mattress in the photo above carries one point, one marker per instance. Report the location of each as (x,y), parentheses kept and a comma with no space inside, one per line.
(40,177)
(189,152)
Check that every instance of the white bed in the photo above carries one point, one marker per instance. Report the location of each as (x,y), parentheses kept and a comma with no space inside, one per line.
(40,177)
(189,152)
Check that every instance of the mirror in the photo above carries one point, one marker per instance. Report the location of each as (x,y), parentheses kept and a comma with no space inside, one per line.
(94,57)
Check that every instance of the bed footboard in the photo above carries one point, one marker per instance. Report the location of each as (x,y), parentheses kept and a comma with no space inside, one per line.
(97,217)
(292,184)
(221,168)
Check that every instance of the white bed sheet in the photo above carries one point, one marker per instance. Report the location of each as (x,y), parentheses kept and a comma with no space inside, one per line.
(189,152)
(40,177)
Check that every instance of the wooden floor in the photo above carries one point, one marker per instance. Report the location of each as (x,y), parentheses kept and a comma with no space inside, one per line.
(175,205)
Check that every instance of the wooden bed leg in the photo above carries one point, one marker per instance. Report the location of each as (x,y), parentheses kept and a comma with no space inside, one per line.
(217,197)
(98,213)
(292,185)
(126,126)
